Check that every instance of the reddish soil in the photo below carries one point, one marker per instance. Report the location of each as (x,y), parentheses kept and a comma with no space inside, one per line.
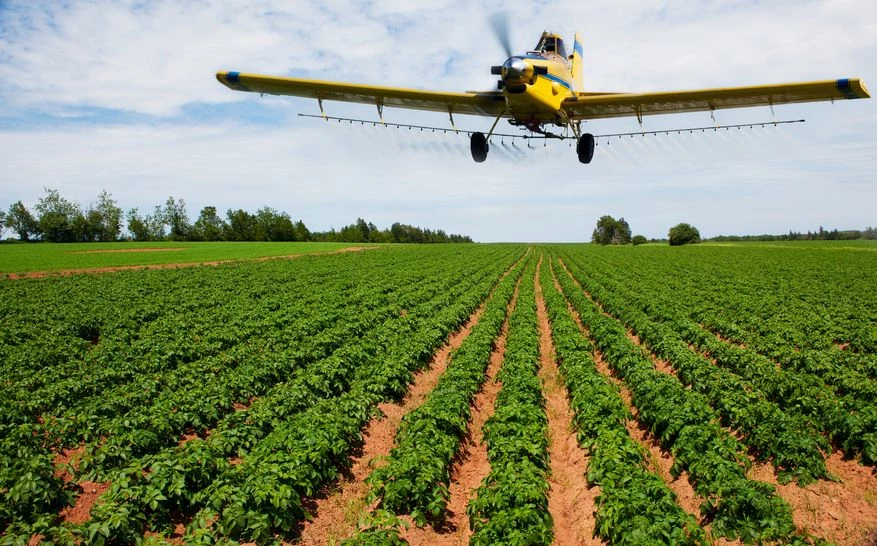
(93,270)
(471,465)
(65,460)
(186,438)
(338,510)
(843,513)
(80,512)
(659,460)
(571,503)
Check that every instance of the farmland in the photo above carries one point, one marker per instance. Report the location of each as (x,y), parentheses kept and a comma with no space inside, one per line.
(448,394)
(20,259)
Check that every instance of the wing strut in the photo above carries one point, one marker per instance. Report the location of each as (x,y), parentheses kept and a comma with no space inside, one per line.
(380,104)
(492,127)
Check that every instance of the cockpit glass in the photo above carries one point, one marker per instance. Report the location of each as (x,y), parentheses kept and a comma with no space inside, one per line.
(551,44)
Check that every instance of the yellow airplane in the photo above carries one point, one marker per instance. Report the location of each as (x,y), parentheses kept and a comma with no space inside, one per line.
(544,87)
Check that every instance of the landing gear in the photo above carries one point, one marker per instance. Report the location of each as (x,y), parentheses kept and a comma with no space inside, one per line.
(479,146)
(585,148)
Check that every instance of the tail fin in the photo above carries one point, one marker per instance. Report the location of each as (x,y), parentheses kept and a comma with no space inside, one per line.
(577,54)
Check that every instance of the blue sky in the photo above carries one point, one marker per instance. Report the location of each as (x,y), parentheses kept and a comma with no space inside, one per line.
(121,96)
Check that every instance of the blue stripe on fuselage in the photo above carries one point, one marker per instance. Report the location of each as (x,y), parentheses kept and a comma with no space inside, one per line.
(577,48)
(554,78)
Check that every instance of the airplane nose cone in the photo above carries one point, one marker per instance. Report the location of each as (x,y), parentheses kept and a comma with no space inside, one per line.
(515,68)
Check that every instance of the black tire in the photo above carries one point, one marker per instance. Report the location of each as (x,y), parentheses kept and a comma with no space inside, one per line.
(585,148)
(478,145)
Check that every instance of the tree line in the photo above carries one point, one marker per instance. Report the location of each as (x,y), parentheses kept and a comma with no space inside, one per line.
(610,231)
(819,235)
(59,220)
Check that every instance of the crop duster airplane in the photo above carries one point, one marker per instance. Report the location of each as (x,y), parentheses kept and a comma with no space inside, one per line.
(541,88)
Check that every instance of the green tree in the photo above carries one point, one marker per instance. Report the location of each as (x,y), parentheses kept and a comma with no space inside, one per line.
(639,240)
(683,234)
(2,223)
(209,226)
(610,231)
(302,233)
(57,217)
(22,222)
(88,227)
(110,217)
(175,217)
(241,226)
(272,225)
(137,226)
(364,231)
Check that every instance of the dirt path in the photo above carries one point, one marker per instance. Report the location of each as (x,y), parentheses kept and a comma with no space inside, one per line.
(471,465)
(95,270)
(571,503)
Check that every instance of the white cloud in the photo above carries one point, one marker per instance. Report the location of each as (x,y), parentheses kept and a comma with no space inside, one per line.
(154,59)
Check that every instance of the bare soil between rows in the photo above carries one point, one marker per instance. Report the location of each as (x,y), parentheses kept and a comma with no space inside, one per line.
(571,502)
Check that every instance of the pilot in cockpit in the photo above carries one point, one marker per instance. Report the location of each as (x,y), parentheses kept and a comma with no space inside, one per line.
(551,45)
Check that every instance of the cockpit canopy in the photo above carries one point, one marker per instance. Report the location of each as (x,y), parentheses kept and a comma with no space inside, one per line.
(550,43)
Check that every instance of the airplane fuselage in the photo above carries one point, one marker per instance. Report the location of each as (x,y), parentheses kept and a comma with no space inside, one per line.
(536,93)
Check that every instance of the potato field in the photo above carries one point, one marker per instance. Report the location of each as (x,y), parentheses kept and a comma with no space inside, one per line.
(447,394)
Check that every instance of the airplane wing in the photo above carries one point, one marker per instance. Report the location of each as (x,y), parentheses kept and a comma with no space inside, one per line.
(485,104)
(613,105)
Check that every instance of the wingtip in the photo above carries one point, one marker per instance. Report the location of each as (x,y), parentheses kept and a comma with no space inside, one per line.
(231,80)
(864,89)
(853,88)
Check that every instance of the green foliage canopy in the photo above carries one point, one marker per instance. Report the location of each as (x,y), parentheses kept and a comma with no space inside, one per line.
(683,234)
(610,231)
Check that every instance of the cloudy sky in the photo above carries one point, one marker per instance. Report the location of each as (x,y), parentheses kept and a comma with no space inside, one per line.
(121,96)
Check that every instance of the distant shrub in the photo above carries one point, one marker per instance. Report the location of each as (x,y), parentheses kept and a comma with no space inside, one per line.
(639,240)
(683,234)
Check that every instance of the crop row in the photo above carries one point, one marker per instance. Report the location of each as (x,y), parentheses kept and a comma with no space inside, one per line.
(809,312)
(785,440)
(851,424)
(415,479)
(142,497)
(173,412)
(511,505)
(28,471)
(634,505)
(686,425)
(846,372)
(305,442)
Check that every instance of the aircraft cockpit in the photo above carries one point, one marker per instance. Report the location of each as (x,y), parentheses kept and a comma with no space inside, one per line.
(551,44)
